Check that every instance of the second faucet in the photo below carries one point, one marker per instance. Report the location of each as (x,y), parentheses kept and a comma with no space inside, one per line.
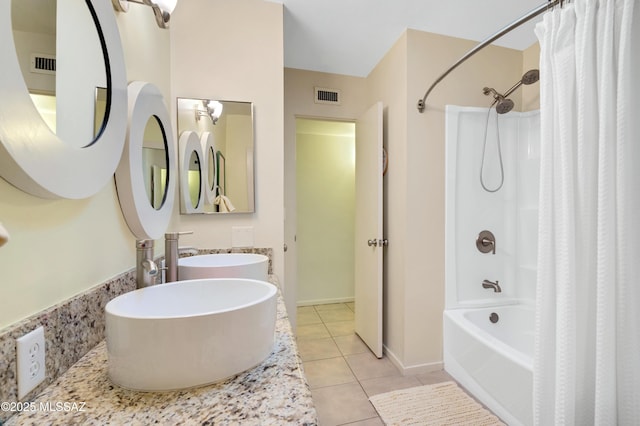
(171,254)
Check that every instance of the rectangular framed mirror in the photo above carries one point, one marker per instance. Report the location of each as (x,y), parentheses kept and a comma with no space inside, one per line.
(226,132)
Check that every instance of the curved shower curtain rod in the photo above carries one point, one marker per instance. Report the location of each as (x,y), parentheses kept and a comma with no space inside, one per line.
(527,17)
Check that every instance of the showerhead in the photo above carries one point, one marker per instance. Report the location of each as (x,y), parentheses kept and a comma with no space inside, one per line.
(530,77)
(504,105)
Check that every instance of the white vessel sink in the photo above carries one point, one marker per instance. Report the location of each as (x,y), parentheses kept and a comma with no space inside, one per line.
(189,333)
(224,265)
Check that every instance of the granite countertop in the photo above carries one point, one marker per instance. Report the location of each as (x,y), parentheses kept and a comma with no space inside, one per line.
(273,393)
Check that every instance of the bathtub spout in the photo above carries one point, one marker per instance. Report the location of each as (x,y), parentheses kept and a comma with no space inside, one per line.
(489,284)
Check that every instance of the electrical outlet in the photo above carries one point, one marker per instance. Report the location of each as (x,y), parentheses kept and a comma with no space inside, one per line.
(30,350)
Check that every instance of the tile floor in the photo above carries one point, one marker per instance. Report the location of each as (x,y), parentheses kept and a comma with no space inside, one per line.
(341,371)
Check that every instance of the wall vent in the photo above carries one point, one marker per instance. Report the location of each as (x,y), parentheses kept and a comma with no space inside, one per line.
(42,63)
(327,96)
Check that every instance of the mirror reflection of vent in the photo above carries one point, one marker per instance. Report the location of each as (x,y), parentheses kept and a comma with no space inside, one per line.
(327,96)
(43,64)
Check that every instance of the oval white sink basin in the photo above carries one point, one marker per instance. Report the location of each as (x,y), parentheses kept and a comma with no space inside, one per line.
(224,265)
(189,333)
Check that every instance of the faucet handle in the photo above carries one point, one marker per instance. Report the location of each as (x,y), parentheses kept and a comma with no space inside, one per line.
(486,242)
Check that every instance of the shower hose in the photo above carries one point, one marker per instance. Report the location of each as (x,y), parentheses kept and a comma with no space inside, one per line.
(484,148)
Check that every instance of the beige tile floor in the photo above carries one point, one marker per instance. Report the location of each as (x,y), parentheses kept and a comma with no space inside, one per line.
(341,371)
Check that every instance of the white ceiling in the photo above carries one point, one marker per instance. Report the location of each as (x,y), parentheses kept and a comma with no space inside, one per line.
(351,36)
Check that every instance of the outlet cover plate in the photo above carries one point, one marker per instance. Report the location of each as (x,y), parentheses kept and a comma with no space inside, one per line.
(30,351)
(241,236)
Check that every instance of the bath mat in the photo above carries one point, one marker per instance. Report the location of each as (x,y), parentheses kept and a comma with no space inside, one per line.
(440,404)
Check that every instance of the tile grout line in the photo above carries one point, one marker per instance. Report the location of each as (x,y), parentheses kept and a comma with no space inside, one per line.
(357,380)
(344,357)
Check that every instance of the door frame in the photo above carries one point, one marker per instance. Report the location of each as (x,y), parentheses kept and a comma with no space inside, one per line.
(291,215)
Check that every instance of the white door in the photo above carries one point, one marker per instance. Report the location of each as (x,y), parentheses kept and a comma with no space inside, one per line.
(368,229)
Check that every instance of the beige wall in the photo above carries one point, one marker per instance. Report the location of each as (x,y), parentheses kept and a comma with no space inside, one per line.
(531,93)
(233,50)
(59,248)
(414,184)
(428,56)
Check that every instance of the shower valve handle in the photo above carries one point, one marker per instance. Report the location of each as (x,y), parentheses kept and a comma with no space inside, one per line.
(486,242)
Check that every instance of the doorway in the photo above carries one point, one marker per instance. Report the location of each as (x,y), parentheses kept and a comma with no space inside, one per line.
(325,209)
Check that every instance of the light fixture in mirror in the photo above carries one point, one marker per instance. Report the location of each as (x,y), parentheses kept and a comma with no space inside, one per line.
(191,179)
(66,164)
(210,109)
(162,9)
(145,177)
(231,159)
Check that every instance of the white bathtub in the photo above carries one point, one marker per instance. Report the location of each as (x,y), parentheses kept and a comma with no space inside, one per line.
(493,361)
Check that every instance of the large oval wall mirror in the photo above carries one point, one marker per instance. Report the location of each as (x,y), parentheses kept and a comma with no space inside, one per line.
(146,177)
(61,81)
(56,56)
(228,167)
(155,162)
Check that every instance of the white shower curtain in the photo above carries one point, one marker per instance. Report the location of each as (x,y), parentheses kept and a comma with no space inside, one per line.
(587,343)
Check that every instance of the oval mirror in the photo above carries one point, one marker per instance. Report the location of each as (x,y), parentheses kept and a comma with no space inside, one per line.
(209,171)
(146,176)
(154,162)
(62,71)
(194,176)
(191,179)
(73,58)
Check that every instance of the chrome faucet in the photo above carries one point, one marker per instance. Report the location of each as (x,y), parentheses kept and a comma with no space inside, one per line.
(172,253)
(489,284)
(146,268)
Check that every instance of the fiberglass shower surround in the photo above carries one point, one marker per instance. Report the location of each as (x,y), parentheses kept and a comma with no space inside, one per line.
(579,364)
(496,327)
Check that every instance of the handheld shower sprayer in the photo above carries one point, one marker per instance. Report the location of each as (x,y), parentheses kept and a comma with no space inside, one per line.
(528,78)
(503,105)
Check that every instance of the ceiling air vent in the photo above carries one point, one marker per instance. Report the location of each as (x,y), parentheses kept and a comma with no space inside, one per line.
(327,96)
(43,64)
